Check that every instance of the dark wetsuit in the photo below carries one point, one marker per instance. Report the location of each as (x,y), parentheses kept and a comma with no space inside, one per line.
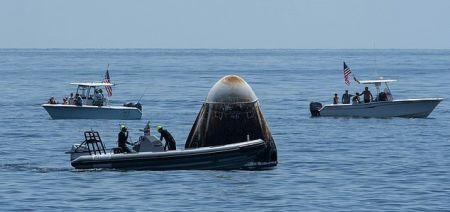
(123,141)
(170,142)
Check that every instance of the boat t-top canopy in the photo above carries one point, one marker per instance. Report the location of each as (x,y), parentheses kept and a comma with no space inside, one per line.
(378,81)
(91,84)
(377,84)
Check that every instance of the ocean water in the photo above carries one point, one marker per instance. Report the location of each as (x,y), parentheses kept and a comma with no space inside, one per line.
(325,164)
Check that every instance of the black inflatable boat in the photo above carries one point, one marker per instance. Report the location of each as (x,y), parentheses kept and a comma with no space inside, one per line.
(91,154)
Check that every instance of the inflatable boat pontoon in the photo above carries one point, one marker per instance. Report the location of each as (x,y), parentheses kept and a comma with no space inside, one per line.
(92,154)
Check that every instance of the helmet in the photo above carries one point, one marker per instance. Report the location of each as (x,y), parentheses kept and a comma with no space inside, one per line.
(158,128)
(123,127)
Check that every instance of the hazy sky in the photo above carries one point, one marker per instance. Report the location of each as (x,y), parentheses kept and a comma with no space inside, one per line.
(225,24)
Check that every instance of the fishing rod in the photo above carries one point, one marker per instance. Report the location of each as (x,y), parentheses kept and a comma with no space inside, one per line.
(140,98)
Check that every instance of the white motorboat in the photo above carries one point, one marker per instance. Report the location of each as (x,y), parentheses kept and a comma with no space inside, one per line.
(383,106)
(91,105)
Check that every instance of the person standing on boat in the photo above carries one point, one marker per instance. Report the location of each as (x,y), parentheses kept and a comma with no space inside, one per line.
(71,100)
(98,98)
(367,95)
(102,97)
(335,99)
(78,100)
(65,100)
(52,101)
(355,99)
(101,94)
(123,139)
(346,97)
(170,142)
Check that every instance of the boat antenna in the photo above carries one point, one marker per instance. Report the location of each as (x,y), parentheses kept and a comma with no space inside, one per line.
(139,100)
(375,59)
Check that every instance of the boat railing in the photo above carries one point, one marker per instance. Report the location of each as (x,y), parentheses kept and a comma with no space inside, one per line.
(93,142)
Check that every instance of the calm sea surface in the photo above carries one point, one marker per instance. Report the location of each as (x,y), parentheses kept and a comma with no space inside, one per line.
(325,164)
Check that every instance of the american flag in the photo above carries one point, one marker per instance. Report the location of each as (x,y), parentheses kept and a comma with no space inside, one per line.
(347,73)
(107,80)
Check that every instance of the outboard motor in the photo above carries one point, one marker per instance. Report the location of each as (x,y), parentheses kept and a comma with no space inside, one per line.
(131,104)
(138,106)
(128,104)
(314,108)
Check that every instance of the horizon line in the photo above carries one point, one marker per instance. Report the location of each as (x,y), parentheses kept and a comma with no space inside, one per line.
(66,48)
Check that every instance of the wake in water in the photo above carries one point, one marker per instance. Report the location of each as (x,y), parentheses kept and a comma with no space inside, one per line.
(30,167)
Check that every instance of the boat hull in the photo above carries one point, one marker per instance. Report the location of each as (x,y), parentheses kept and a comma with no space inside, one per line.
(227,157)
(59,111)
(408,108)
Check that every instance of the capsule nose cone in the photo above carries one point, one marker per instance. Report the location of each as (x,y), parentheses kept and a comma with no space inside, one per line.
(231,89)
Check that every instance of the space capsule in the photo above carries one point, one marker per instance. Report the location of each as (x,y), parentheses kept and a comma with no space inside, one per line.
(230,114)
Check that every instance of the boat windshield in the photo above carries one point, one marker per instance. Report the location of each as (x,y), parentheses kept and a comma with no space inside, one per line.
(383,94)
(84,91)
